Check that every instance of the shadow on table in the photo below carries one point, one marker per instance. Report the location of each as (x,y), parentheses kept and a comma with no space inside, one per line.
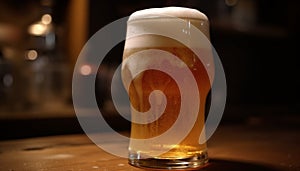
(225,165)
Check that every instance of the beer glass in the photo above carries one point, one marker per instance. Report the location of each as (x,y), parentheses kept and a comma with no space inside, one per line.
(161,62)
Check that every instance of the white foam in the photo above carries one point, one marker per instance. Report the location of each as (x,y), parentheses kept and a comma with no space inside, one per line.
(179,12)
(161,21)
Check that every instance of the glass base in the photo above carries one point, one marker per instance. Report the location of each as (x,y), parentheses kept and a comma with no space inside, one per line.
(196,161)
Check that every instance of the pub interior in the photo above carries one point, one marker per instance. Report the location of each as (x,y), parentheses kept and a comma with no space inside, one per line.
(40,41)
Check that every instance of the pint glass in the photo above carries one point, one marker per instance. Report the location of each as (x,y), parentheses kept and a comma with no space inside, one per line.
(161,61)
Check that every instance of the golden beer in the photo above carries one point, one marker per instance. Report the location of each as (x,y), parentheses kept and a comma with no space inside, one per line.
(188,153)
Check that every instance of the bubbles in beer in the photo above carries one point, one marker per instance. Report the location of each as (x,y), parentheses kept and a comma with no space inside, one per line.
(159,42)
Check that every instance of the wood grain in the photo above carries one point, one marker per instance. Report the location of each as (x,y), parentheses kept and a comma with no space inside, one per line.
(231,148)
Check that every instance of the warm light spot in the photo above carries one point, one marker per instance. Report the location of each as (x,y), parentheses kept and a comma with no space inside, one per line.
(86,70)
(32,55)
(46,19)
(38,29)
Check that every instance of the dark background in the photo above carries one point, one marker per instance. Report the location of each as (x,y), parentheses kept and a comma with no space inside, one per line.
(257,41)
(259,53)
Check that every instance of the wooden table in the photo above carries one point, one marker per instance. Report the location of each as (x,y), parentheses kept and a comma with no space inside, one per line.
(233,147)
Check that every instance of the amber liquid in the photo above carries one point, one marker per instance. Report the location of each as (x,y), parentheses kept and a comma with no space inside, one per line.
(150,80)
(139,90)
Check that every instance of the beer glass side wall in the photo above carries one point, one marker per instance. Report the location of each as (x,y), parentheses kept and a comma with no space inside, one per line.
(148,81)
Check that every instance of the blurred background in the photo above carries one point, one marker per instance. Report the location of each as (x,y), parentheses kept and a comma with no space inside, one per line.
(40,41)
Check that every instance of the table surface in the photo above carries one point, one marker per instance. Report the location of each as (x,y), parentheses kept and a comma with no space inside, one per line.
(232,147)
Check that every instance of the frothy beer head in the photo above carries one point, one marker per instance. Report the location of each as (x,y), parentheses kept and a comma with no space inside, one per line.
(179,12)
(147,29)
(153,17)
